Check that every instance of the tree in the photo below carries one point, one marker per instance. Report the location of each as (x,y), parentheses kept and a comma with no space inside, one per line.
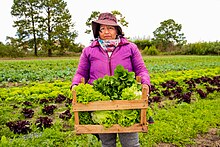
(27,14)
(43,22)
(95,14)
(57,25)
(168,35)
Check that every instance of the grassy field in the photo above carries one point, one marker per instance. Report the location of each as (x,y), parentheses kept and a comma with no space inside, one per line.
(29,85)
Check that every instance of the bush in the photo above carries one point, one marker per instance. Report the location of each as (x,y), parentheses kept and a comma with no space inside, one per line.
(150,51)
(76,48)
(141,44)
(10,51)
(202,48)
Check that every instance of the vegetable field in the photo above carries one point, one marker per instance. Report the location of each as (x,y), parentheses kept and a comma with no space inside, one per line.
(36,101)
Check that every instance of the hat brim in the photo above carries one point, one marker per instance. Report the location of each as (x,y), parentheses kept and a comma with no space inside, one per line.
(95,25)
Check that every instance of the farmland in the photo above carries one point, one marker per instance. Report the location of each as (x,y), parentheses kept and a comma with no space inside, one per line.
(35,94)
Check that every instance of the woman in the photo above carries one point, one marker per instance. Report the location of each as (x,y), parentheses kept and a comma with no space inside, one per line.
(108,50)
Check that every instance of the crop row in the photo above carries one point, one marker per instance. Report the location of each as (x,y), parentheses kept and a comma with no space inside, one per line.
(26,71)
(36,70)
(40,90)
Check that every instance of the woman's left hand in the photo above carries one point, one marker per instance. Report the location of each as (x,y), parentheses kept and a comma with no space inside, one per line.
(147,87)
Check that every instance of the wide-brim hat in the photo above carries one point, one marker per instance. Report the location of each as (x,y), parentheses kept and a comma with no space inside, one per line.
(105,19)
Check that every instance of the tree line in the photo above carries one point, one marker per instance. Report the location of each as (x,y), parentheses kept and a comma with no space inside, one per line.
(42,25)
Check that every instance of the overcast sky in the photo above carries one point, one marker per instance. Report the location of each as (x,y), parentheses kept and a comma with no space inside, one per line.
(200,19)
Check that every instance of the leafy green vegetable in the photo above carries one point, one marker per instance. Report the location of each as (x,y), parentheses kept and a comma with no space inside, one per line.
(85,118)
(112,86)
(131,93)
(86,93)
(121,86)
(105,118)
(127,117)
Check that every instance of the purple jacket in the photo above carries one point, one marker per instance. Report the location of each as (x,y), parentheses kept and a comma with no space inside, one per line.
(95,63)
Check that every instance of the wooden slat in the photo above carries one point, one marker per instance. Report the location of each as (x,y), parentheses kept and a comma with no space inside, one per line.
(83,80)
(138,79)
(111,105)
(76,114)
(90,129)
(144,111)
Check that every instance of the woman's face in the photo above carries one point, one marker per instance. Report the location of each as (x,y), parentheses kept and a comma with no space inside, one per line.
(107,32)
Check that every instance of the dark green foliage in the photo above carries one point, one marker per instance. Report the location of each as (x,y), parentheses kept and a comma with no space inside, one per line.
(28,16)
(143,43)
(85,118)
(150,51)
(112,86)
(168,35)
(10,51)
(202,48)
(43,25)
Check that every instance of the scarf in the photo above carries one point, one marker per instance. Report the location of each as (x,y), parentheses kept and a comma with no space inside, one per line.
(109,45)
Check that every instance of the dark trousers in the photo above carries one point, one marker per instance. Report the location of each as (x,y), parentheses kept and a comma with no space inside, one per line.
(126,139)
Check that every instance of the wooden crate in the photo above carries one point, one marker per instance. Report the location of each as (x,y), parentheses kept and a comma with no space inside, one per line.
(111,105)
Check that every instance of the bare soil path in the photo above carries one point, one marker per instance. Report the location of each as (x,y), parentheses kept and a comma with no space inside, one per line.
(210,139)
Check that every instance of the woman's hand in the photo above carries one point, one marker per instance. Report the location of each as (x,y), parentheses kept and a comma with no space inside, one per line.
(147,87)
(71,88)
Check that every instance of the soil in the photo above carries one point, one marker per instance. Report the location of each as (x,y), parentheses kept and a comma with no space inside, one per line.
(210,139)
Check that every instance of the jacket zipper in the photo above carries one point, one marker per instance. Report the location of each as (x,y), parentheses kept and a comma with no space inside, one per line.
(109,63)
